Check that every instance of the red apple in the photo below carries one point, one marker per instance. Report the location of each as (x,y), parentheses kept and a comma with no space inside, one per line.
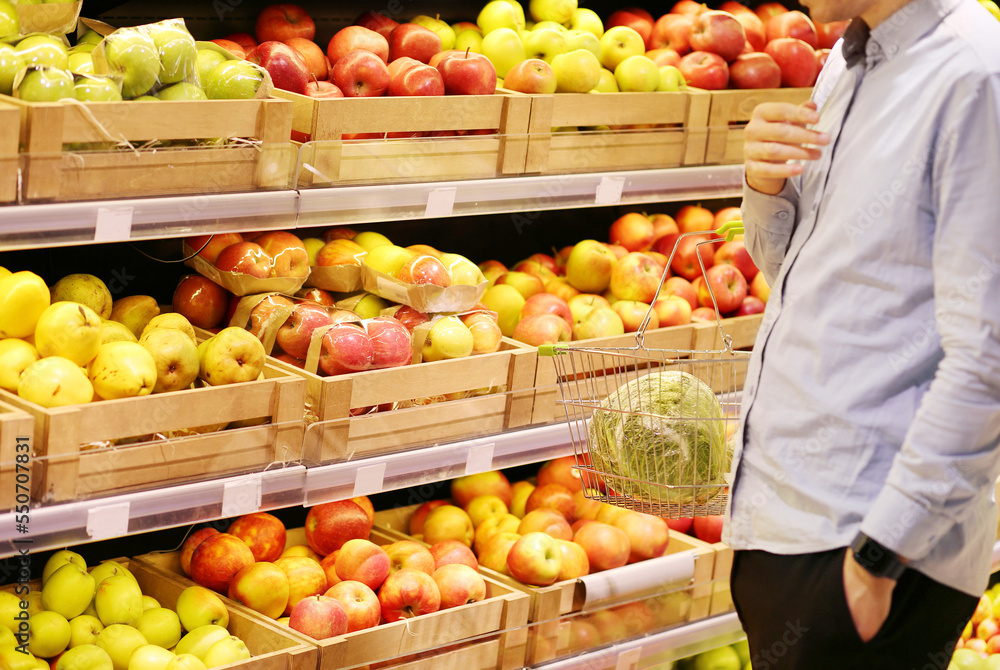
(346,348)
(792,24)
(217,559)
(753,28)
(638,618)
(637,19)
(245,40)
(494,482)
(210,246)
(648,535)
(413,40)
(632,314)
(727,284)
(682,288)
(360,73)
(672,311)
(247,258)
(821,56)
(681,525)
(552,496)
(606,546)
(360,604)
(688,7)
(562,471)
(575,563)
(636,277)
(583,635)
(295,334)
(425,269)
(353,38)
(672,31)
(380,22)
(392,342)
(459,585)
(536,268)
(448,552)
(827,34)
(750,305)
(735,253)
(201,301)
(535,559)
(708,528)
(319,617)
(546,303)
(734,7)
(291,259)
(704,315)
(725,215)
(323,89)
(313,56)
(662,56)
(759,287)
(766,10)
(361,560)
(192,541)
(796,60)
(538,329)
(468,73)
(232,47)
(264,533)
(694,219)
(270,312)
(702,69)
(416,523)
(410,554)
(283,22)
(719,33)
(408,593)
(633,230)
(329,525)
(287,68)
(417,79)
(689,248)
(531,75)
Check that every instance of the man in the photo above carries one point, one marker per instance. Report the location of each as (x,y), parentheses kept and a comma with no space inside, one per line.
(861,504)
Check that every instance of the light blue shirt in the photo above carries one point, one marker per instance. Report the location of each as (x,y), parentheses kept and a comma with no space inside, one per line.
(872,399)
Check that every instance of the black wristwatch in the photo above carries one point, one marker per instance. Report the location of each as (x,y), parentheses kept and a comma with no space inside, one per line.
(876,558)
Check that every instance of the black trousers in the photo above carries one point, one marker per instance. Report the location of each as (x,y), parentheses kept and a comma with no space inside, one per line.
(795,614)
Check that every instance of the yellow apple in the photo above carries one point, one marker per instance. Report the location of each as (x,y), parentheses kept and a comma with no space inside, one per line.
(198,606)
(149,657)
(70,330)
(504,49)
(118,601)
(618,43)
(23,298)
(519,497)
(499,14)
(48,634)
(587,20)
(55,382)
(577,71)
(68,590)
(84,629)
(560,11)
(160,626)
(369,239)
(448,338)
(387,258)
(483,507)
(15,356)
(637,73)
(199,640)
(84,657)
(507,302)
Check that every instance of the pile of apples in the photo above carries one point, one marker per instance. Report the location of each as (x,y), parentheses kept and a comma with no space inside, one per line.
(73,344)
(979,646)
(727,657)
(339,582)
(99,618)
(602,289)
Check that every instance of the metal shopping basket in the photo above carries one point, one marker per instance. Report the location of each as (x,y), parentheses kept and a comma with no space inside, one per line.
(653,429)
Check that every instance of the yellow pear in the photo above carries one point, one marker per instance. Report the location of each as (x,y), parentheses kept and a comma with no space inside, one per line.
(171,320)
(118,601)
(23,298)
(85,289)
(15,356)
(112,331)
(55,382)
(175,356)
(135,311)
(123,370)
(70,330)
(68,591)
(233,355)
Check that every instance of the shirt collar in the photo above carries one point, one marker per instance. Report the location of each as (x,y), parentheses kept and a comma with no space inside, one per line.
(897,33)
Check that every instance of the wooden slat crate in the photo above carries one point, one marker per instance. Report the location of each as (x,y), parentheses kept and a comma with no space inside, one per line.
(271,646)
(10,135)
(729,114)
(505,608)
(470,656)
(593,151)
(339,436)
(72,467)
(53,171)
(722,597)
(329,159)
(15,424)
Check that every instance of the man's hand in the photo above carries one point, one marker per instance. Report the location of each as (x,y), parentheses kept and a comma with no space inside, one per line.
(777,134)
(869,598)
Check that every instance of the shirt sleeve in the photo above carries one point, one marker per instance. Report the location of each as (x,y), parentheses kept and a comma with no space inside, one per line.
(768,222)
(948,462)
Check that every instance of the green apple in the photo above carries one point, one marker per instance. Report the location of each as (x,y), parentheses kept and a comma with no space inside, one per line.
(119,601)
(577,71)
(13,659)
(233,80)
(81,62)
(68,590)
(176,49)
(462,270)
(182,91)
(185,662)
(147,98)
(132,54)
(46,85)
(84,629)
(160,626)
(48,634)
(198,606)
(90,37)
(149,657)
(722,658)
(637,73)
(369,239)
(443,30)
(581,39)
(149,602)
(96,89)
(82,48)
(59,559)
(469,40)
(229,649)
(10,63)
(107,569)
(199,640)
(387,258)
(204,62)
(504,49)
(499,14)
(587,20)
(369,306)
(10,25)
(671,79)
(120,640)
(618,43)
(560,11)
(84,657)
(42,50)
(544,44)
(608,83)
(507,302)
(312,245)
(447,338)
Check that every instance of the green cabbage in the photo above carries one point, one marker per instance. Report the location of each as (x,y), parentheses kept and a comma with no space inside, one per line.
(661,430)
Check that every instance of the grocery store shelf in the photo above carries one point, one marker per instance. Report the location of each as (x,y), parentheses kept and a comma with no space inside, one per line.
(665,646)
(61,525)
(72,223)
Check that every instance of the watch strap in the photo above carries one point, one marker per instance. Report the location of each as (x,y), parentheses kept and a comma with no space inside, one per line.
(876,558)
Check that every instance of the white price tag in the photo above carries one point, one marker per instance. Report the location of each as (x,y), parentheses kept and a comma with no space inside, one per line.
(440,202)
(629,660)
(108,521)
(368,479)
(114,224)
(242,496)
(479,459)
(609,191)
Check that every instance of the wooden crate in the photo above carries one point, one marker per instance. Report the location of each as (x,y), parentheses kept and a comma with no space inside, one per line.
(339,436)
(729,113)
(329,159)
(73,468)
(16,427)
(54,172)
(470,656)
(504,609)
(10,135)
(271,646)
(722,597)
(663,146)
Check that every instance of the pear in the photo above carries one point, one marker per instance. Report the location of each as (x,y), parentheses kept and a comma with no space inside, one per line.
(185,662)
(23,298)
(84,657)
(229,649)
(84,629)
(55,382)
(199,640)
(68,591)
(135,311)
(120,641)
(122,370)
(109,569)
(149,602)
(160,626)
(84,289)
(70,330)
(233,355)
(60,558)
(175,355)
(118,601)
(15,357)
(48,634)
(150,657)
(173,320)
(112,331)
